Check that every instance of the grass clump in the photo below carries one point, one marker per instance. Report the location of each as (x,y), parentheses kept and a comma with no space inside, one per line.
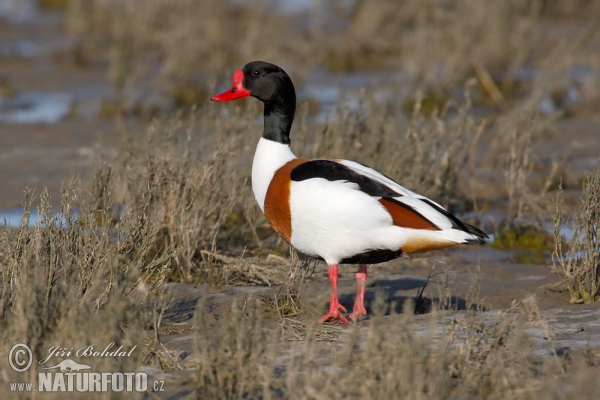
(521,237)
(180,39)
(187,43)
(230,361)
(74,280)
(445,354)
(533,244)
(579,255)
(184,171)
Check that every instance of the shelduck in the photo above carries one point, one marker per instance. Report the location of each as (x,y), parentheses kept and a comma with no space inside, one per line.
(337,210)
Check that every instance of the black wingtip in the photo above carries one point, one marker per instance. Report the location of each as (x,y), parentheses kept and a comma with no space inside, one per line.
(481,235)
(460,225)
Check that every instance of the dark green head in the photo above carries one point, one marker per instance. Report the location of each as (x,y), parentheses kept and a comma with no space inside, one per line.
(271,85)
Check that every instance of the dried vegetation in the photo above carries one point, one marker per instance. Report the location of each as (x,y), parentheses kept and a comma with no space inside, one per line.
(175,203)
(76,278)
(440,355)
(578,257)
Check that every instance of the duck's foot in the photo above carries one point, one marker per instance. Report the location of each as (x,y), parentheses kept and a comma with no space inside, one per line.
(358,313)
(335,313)
(334,316)
(335,308)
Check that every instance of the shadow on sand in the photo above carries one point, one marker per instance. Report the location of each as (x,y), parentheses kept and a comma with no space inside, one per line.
(394,298)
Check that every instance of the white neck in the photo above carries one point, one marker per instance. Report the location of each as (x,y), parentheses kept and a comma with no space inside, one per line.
(269,157)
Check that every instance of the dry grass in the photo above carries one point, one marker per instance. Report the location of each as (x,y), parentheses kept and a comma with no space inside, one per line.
(77,279)
(175,203)
(184,172)
(497,34)
(578,257)
(183,45)
(440,355)
(189,40)
(230,363)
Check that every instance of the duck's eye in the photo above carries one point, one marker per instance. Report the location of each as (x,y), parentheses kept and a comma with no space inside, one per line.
(256,73)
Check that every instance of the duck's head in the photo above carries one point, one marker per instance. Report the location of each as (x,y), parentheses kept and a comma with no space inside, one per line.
(266,82)
(271,85)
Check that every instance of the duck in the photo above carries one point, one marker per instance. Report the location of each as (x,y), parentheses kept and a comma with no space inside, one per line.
(336,210)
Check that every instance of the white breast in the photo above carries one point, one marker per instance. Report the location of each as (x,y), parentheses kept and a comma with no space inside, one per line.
(269,157)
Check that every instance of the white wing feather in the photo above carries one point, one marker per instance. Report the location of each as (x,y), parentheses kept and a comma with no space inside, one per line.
(409,198)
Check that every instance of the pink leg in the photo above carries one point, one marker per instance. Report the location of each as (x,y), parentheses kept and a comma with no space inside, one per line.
(359,304)
(335,308)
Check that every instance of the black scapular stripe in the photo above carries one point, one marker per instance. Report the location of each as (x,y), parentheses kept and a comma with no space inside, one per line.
(334,171)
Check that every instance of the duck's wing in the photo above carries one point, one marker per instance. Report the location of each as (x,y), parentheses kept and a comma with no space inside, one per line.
(408,209)
(415,199)
(383,179)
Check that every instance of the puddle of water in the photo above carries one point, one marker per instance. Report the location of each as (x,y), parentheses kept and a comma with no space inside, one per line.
(566,230)
(304,6)
(324,94)
(11,218)
(18,10)
(36,107)
(327,88)
(571,97)
(293,6)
